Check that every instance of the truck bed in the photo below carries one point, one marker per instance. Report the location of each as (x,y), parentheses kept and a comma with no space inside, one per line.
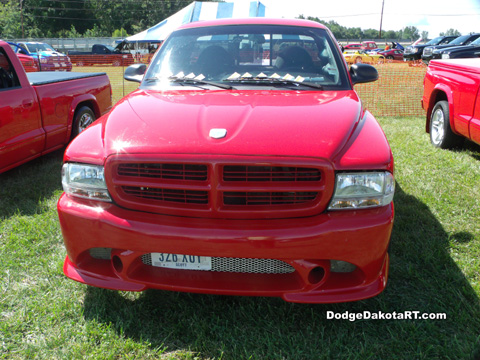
(43,78)
(471,65)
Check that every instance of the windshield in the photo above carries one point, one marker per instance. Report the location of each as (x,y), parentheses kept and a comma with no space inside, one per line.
(476,42)
(249,55)
(32,47)
(460,40)
(438,40)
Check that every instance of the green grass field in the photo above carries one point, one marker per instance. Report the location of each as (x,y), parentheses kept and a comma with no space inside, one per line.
(435,268)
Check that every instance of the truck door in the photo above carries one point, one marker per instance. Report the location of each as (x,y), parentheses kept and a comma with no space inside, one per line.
(474,128)
(21,134)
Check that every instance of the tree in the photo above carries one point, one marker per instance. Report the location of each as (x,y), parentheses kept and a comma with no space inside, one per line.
(11,21)
(411,33)
(424,35)
(120,33)
(451,32)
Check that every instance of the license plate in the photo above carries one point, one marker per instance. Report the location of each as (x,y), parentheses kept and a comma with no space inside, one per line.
(181,262)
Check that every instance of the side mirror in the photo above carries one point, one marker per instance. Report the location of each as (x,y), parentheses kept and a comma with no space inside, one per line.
(135,72)
(363,73)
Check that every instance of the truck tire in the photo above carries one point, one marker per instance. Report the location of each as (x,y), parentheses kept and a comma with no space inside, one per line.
(84,116)
(441,134)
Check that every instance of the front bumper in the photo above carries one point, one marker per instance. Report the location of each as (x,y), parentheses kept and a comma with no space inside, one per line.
(307,244)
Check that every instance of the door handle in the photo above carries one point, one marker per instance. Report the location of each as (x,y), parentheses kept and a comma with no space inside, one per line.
(27,103)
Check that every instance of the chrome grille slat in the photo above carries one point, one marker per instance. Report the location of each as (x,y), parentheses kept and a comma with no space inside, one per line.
(242,173)
(189,172)
(242,265)
(168,195)
(268,198)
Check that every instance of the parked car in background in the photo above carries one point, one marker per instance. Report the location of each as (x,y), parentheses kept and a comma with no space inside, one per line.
(369,46)
(451,99)
(458,52)
(40,112)
(29,63)
(259,177)
(414,52)
(360,56)
(353,46)
(48,58)
(434,51)
(392,54)
(101,55)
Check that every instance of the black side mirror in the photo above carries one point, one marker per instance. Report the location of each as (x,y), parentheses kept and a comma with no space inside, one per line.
(135,72)
(363,73)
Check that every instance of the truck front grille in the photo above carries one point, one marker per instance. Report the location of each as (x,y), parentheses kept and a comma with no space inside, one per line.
(428,51)
(251,187)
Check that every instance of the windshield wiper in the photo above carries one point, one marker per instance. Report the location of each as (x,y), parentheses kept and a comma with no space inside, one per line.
(201,82)
(298,81)
(190,80)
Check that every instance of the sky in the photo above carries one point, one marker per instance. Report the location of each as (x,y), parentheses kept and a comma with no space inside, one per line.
(434,16)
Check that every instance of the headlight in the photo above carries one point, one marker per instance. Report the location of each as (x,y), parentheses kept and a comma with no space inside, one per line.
(445,56)
(85,181)
(362,190)
(414,50)
(43,60)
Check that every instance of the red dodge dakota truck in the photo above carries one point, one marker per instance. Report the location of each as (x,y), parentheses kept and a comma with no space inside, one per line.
(41,112)
(451,99)
(245,164)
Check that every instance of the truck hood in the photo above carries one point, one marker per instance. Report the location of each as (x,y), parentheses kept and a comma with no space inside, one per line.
(270,123)
(48,54)
(460,49)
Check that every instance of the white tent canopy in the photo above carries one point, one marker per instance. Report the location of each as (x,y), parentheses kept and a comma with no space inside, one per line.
(198,11)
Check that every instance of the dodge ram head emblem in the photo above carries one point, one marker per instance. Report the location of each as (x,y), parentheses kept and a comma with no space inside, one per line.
(218,133)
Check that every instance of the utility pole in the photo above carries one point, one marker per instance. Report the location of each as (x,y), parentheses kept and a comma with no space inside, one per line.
(21,16)
(381,20)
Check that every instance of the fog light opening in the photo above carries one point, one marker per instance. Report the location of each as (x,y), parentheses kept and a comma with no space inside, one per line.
(117,264)
(338,266)
(316,275)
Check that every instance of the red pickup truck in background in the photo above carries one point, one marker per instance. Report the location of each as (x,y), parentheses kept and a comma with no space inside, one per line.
(41,111)
(451,99)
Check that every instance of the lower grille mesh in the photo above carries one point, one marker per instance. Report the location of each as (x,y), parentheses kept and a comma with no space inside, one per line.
(242,265)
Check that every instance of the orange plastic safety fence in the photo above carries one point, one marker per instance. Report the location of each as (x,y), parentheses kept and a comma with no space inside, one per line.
(397,92)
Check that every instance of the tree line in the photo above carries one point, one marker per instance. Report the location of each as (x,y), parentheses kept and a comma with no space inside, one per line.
(82,18)
(120,18)
(411,33)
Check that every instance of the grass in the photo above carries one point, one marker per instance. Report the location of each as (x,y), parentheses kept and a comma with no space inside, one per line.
(435,268)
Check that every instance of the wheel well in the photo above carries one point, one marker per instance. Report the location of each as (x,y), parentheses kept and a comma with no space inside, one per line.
(92,105)
(436,96)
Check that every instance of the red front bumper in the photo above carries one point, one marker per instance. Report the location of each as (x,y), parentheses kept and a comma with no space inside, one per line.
(307,244)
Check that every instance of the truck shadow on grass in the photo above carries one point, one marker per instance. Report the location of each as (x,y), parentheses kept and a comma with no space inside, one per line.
(24,188)
(423,278)
(473,149)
